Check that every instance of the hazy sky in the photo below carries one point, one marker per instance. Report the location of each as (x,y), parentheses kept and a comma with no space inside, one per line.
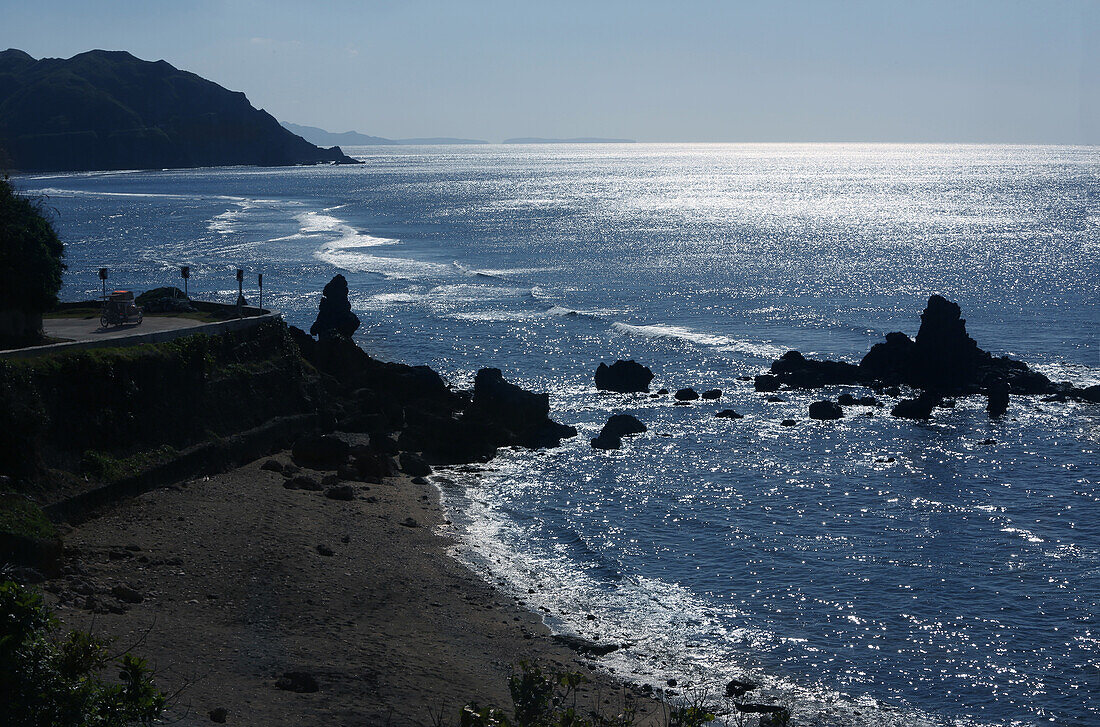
(818,70)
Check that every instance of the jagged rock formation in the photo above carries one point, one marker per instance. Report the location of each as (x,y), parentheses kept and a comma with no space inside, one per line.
(943,361)
(110,110)
(623,376)
(617,427)
(334,316)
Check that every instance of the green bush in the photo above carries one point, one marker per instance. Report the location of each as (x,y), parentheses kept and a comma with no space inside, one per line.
(48,680)
(30,254)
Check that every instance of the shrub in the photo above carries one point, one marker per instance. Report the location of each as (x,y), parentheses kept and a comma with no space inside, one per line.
(30,254)
(51,681)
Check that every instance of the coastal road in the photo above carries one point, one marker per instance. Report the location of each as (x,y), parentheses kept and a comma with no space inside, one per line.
(88,329)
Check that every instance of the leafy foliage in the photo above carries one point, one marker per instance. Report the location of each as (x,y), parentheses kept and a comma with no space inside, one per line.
(47,681)
(30,253)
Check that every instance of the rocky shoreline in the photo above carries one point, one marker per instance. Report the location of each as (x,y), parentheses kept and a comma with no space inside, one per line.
(324,570)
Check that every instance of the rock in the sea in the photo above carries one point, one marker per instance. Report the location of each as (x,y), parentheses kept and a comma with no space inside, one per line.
(297,681)
(788,423)
(414,465)
(617,427)
(662,392)
(512,415)
(584,646)
(775,399)
(334,316)
(942,358)
(849,400)
(711,394)
(736,688)
(797,371)
(687,394)
(320,452)
(729,414)
(998,399)
(918,408)
(623,376)
(825,410)
(766,383)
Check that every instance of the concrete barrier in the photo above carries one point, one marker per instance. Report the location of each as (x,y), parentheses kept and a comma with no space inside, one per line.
(254,318)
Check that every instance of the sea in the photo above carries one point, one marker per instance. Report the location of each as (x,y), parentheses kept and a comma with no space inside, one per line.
(866,571)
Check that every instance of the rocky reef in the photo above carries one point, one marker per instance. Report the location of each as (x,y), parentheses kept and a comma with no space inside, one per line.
(943,360)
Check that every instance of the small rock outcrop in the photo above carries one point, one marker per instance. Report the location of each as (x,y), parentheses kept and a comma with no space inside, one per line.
(998,399)
(524,416)
(414,465)
(711,394)
(919,408)
(766,383)
(729,414)
(334,316)
(623,376)
(617,427)
(687,394)
(826,410)
(799,372)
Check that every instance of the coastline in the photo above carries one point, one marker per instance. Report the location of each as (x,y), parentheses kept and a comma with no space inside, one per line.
(394,629)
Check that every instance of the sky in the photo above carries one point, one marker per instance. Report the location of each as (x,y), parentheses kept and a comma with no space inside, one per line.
(1001,71)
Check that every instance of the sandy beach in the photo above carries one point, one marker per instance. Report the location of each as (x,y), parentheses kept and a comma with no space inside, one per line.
(227,582)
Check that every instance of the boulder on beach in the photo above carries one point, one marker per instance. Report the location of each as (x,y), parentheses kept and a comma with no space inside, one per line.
(414,465)
(826,410)
(617,427)
(334,316)
(623,376)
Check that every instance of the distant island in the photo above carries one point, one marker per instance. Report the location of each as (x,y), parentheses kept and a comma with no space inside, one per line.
(316,135)
(578,140)
(105,110)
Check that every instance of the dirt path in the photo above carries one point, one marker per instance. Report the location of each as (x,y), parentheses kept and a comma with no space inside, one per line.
(235,591)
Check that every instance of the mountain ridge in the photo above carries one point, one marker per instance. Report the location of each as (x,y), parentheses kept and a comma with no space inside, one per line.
(101,110)
(317,135)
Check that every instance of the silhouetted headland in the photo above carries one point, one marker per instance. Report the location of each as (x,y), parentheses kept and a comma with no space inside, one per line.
(110,110)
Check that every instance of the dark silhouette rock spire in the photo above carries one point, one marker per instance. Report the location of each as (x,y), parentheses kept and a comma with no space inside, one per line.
(334,316)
